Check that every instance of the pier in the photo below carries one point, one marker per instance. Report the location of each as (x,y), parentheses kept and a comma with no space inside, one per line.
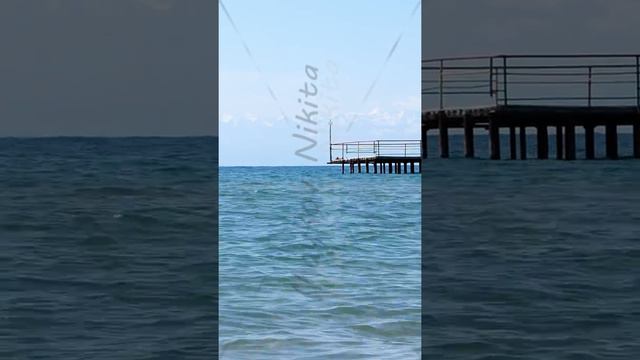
(518,93)
(378,156)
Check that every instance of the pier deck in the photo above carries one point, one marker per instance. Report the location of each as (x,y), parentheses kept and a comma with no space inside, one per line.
(538,92)
(378,156)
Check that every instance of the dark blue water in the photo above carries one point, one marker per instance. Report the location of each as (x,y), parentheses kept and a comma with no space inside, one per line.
(107,248)
(534,259)
(107,252)
(319,265)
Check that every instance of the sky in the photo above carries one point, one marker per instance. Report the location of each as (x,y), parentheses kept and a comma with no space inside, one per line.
(149,67)
(473,27)
(348,43)
(108,68)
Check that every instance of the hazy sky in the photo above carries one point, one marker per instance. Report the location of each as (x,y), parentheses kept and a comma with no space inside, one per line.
(108,67)
(348,42)
(481,27)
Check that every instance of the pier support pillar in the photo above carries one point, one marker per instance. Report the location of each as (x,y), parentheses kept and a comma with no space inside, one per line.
(570,142)
(405,167)
(512,142)
(612,140)
(367,166)
(469,149)
(589,142)
(343,167)
(398,168)
(543,143)
(413,168)
(424,141)
(375,167)
(523,143)
(420,167)
(390,167)
(443,129)
(636,138)
(559,143)
(494,139)
(359,167)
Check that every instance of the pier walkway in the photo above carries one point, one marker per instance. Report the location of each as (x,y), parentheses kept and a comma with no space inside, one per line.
(519,92)
(378,156)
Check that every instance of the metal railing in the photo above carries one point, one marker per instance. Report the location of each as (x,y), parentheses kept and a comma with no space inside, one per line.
(578,80)
(374,149)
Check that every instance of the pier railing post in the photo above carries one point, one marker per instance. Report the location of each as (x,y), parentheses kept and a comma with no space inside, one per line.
(441,84)
(497,83)
(491,76)
(504,80)
(590,83)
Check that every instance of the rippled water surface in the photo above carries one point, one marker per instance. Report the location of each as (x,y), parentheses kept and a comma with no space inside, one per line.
(107,248)
(532,259)
(319,265)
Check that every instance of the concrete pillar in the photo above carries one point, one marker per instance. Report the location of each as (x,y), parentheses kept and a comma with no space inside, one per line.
(523,143)
(570,142)
(443,130)
(469,149)
(559,143)
(512,142)
(494,139)
(589,142)
(543,142)
(612,140)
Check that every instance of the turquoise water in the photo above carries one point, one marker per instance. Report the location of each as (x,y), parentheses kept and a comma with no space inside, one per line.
(319,265)
(534,259)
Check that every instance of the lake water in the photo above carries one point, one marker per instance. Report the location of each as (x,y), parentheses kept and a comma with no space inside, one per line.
(107,251)
(535,259)
(319,265)
(107,248)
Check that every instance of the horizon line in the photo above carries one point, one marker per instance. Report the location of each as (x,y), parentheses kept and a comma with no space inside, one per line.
(102,136)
